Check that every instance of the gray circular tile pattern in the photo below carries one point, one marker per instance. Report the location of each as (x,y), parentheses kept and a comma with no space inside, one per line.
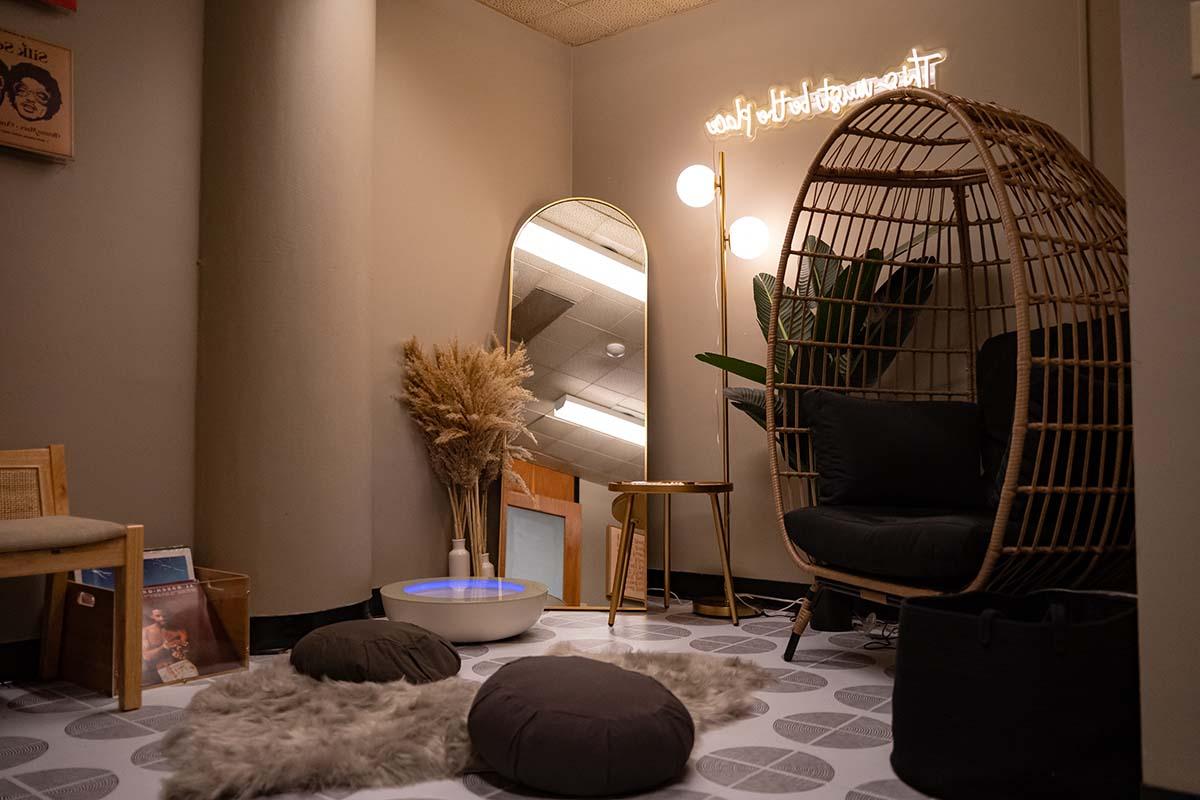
(832,659)
(78,783)
(867,698)
(786,679)
(765,770)
(834,729)
(491,665)
(650,632)
(733,645)
(778,628)
(150,756)
(145,721)
(18,750)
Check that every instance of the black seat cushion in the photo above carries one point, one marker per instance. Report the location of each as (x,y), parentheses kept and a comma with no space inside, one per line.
(895,452)
(579,727)
(910,544)
(375,650)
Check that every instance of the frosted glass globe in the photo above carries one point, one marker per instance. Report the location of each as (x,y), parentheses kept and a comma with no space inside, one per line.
(696,185)
(748,237)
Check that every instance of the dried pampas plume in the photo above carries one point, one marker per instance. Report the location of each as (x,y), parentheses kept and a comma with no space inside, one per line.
(469,404)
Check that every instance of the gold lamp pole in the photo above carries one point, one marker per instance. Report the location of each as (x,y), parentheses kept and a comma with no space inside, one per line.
(716,605)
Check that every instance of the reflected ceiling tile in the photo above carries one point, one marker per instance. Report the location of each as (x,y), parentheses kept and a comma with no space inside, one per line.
(619,15)
(554,385)
(600,396)
(570,453)
(565,287)
(624,381)
(588,367)
(569,331)
(599,311)
(555,428)
(631,404)
(631,328)
(546,355)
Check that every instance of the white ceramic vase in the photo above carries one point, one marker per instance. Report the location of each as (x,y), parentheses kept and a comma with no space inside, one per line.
(459,560)
(486,569)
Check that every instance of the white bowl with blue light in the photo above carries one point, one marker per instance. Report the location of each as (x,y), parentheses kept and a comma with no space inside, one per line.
(467,609)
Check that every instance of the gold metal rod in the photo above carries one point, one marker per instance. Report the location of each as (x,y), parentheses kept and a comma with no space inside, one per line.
(723,249)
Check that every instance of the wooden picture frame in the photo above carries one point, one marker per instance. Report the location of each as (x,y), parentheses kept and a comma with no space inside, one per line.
(572,516)
(37,98)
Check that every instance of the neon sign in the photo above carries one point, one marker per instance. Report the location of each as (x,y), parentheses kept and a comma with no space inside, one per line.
(786,105)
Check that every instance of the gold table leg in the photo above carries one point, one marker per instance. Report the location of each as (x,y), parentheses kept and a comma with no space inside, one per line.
(667,551)
(719,524)
(621,572)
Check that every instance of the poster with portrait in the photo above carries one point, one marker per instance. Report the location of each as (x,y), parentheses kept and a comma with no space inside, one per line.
(37,111)
(181,640)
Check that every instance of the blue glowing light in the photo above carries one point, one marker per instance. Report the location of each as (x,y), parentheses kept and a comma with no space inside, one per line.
(464,588)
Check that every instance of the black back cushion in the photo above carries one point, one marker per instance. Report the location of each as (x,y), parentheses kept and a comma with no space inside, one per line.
(895,452)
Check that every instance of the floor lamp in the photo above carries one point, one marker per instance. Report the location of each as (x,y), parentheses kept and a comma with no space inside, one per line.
(697,186)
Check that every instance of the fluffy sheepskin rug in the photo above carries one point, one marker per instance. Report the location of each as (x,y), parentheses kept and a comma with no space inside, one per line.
(273,730)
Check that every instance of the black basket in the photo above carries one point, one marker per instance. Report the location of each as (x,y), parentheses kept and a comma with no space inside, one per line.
(1003,697)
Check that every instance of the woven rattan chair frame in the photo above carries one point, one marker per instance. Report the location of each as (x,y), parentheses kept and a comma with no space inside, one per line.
(1021,232)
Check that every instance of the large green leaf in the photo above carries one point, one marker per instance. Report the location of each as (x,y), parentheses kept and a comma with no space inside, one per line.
(752,402)
(743,369)
(855,282)
(821,270)
(890,327)
(795,321)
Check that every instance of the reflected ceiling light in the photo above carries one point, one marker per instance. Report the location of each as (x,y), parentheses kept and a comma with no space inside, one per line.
(581,412)
(748,237)
(568,252)
(696,185)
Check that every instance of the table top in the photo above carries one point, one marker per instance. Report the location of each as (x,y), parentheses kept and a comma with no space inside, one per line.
(671,487)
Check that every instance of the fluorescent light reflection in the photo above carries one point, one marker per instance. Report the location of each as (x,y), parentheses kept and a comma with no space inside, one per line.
(537,239)
(580,412)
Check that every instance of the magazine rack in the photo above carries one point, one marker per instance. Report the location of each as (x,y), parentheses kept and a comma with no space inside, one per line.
(88,654)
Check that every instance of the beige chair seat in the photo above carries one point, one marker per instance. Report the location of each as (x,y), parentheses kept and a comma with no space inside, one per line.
(55,531)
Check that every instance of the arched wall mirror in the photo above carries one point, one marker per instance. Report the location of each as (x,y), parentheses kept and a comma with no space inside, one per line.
(577,301)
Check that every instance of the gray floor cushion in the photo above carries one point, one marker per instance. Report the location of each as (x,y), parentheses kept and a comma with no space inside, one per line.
(578,727)
(375,650)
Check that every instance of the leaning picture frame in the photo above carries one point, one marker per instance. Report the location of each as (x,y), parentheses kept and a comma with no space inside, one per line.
(160,566)
(37,97)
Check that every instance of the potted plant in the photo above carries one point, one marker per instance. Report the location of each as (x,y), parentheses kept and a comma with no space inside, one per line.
(469,404)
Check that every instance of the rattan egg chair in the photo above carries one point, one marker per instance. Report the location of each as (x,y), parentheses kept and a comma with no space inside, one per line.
(943,249)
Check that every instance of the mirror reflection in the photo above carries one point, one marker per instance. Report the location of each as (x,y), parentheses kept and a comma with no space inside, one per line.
(578,303)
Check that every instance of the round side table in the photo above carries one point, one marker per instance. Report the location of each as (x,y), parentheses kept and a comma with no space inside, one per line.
(632,489)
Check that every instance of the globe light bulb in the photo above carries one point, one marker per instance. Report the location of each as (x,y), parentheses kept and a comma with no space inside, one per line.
(748,237)
(696,185)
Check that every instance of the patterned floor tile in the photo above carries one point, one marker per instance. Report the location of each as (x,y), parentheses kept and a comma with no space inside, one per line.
(814,731)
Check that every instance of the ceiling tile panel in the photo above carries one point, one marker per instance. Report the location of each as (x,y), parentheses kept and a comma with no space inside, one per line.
(577,22)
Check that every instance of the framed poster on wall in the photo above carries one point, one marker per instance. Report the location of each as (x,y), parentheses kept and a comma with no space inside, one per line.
(37,112)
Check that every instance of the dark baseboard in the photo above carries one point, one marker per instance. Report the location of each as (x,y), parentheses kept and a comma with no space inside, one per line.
(19,660)
(276,634)
(1154,793)
(690,585)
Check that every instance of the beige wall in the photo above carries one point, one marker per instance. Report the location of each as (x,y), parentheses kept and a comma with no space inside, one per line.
(1162,127)
(472,134)
(640,100)
(98,274)
(283,490)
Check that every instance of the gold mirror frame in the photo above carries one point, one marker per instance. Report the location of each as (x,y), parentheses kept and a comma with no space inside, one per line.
(644,604)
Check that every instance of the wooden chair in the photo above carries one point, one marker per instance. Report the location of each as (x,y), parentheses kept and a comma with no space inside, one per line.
(38,537)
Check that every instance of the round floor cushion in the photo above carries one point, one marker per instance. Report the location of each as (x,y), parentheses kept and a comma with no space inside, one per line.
(576,726)
(375,650)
